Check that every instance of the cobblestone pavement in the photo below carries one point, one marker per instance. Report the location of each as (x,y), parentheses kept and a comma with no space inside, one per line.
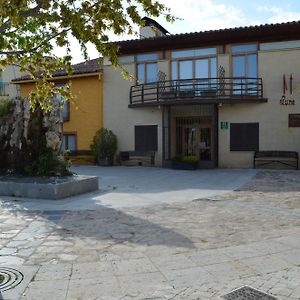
(200,249)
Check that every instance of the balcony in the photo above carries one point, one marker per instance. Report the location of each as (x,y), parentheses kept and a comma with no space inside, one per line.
(198,91)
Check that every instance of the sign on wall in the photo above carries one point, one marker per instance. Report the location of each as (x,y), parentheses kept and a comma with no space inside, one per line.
(294,120)
(285,100)
(224,125)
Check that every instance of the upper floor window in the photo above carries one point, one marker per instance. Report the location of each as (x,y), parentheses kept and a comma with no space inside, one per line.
(244,60)
(65,105)
(244,67)
(244,48)
(126,59)
(147,67)
(194,52)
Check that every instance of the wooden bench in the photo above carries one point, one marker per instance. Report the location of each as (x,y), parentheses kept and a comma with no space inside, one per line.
(139,158)
(275,158)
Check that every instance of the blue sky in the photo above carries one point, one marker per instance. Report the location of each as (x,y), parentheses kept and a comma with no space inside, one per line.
(198,15)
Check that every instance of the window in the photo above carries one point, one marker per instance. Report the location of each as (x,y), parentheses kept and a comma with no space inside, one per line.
(244,48)
(65,105)
(194,52)
(244,68)
(126,59)
(147,67)
(244,136)
(146,138)
(203,69)
(69,142)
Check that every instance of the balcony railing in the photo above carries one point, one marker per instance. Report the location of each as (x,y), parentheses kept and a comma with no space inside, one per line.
(204,90)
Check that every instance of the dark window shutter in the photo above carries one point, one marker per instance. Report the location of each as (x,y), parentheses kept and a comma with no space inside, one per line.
(244,137)
(146,138)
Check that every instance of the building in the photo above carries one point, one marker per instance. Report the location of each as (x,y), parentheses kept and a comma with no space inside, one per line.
(217,95)
(7,89)
(83,116)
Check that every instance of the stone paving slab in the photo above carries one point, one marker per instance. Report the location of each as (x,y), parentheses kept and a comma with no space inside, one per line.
(199,249)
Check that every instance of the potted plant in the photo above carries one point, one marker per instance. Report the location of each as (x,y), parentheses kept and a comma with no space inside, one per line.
(184,162)
(104,147)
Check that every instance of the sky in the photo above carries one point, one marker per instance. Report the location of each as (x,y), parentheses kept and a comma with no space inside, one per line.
(199,15)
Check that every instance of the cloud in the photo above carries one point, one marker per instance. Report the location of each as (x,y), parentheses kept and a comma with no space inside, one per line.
(204,15)
(279,14)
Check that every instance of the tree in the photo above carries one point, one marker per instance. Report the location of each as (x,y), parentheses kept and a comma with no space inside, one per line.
(30,29)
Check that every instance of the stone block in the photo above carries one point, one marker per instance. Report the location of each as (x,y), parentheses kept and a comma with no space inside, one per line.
(53,188)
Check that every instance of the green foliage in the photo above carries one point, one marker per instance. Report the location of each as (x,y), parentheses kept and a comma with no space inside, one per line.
(188,159)
(6,107)
(33,157)
(105,144)
(30,30)
(48,164)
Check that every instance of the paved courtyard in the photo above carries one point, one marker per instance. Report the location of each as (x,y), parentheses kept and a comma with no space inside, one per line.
(157,234)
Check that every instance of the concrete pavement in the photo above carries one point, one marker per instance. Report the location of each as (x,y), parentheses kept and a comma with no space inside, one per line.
(200,248)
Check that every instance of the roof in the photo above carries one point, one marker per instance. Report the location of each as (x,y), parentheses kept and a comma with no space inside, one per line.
(87,67)
(151,22)
(258,33)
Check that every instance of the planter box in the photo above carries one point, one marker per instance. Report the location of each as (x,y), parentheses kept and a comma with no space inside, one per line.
(47,188)
(105,162)
(182,165)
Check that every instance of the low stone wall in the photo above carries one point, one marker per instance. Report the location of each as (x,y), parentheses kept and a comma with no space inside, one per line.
(47,188)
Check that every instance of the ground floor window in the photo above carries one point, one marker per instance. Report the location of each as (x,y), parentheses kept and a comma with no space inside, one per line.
(146,138)
(69,142)
(244,136)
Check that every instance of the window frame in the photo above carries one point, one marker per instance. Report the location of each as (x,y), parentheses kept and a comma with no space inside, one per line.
(70,133)
(193,60)
(244,54)
(145,72)
(66,102)
(145,63)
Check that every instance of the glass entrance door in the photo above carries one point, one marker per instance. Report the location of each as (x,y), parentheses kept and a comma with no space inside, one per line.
(194,137)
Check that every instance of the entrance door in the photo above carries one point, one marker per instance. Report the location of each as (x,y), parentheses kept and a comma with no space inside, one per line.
(194,138)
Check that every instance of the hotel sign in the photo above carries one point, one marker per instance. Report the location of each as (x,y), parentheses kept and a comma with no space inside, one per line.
(284,100)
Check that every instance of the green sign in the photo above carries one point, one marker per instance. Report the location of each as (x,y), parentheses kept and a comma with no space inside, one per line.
(224,125)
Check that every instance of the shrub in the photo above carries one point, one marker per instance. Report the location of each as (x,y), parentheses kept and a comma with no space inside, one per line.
(105,144)
(49,164)
(6,107)
(187,159)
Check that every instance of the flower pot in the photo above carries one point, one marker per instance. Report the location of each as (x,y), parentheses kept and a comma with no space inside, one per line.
(105,162)
(183,165)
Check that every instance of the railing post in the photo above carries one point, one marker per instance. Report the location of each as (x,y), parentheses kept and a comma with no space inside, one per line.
(142,97)
(130,95)
(157,91)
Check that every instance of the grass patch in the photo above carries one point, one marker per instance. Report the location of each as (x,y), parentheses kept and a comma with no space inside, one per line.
(1,278)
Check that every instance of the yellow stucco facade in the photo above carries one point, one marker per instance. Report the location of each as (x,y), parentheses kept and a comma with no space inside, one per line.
(86,111)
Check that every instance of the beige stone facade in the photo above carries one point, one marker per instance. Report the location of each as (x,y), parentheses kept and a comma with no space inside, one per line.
(275,59)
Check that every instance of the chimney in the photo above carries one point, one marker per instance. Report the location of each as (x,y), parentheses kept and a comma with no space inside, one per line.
(152,29)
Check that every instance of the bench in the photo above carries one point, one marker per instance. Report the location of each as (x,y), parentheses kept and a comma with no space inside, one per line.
(139,158)
(282,158)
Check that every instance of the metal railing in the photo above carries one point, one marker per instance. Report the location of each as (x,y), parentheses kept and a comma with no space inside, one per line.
(194,89)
